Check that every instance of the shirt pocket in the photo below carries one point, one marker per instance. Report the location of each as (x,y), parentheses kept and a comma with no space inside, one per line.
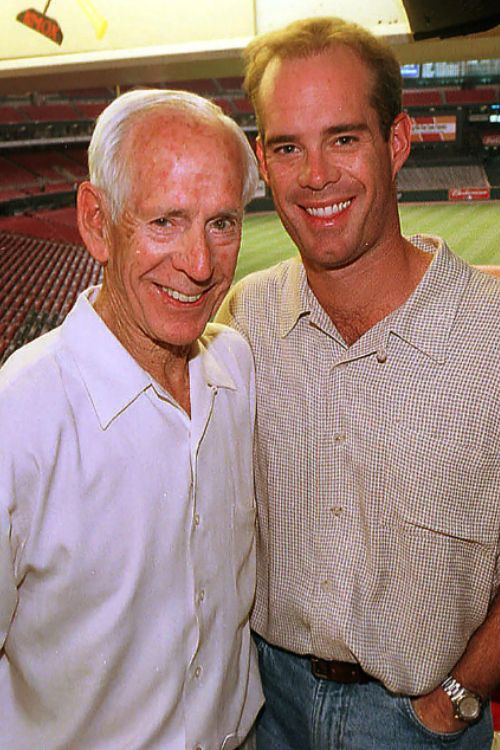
(433,520)
(445,487)
(439,530)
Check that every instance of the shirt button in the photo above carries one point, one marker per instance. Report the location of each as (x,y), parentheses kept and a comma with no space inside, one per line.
(326,585)
(196,519)
(197,672)
(339,437)
(337,511)
(201,595)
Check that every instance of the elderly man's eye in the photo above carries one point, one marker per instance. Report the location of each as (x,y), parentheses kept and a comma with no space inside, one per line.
(162,221)
(223,224)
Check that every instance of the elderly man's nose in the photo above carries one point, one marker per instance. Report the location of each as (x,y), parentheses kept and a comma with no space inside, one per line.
(196,258)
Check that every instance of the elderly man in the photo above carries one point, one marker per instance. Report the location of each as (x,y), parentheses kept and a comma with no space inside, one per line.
(378,406)
(126,497)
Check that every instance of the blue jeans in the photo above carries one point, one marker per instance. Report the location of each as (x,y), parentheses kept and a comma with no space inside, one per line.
(305,713)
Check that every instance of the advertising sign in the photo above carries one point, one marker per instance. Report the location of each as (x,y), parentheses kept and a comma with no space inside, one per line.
(433,128)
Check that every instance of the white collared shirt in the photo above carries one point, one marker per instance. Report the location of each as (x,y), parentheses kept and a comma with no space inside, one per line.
(126,547)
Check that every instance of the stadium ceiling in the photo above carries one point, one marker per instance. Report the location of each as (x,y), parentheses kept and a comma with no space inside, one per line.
(53,45)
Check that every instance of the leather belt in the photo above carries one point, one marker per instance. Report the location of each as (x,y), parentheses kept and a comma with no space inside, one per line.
(339,671)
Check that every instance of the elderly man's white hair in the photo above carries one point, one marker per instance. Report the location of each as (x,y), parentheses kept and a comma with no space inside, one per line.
(108,168)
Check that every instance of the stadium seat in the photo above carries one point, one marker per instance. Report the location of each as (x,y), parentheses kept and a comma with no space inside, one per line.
(422,98)
(470,96)
(49,112)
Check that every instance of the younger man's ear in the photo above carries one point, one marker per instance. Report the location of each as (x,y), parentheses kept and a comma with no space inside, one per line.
(93,221)
(400,140)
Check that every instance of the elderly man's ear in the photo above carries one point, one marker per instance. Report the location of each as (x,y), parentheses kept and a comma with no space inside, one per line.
(93,221)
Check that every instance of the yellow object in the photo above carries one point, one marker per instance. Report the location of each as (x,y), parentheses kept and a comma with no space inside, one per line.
(96,18)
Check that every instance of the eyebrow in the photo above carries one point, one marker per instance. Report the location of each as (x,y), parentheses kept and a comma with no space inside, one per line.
(347,127)
(182,213)
(166,212)
(228,213)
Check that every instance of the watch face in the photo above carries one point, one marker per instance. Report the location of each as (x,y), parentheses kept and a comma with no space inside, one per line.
(469,708)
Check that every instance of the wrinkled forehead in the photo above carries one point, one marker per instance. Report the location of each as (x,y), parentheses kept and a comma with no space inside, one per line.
(169,127)
(165,137)
(178,159)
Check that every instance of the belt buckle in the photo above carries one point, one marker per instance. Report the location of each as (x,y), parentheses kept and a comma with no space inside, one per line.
(349,674)
(316,669)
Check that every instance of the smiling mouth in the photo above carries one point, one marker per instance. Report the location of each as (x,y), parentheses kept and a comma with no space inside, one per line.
(327,211)
(174,294)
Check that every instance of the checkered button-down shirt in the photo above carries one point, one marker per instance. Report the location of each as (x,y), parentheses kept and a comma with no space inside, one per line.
(377,470)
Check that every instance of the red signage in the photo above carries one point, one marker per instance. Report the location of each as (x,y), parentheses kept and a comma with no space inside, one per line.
(37,21)
(428,128)
(469,194)
(491,139)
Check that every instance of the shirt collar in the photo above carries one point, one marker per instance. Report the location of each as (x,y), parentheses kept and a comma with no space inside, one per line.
(212,371)
(436,298)
(426,318)
(112,377)
(295,297)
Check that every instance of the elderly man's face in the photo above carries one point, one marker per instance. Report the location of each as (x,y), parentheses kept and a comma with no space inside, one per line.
(173,251)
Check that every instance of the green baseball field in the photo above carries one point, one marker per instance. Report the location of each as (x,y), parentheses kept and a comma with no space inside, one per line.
(471,229)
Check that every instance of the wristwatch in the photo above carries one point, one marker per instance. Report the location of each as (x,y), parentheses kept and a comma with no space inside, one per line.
(468,705)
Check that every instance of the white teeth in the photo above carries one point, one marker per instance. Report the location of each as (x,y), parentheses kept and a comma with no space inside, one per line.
(335,208)
(179,296)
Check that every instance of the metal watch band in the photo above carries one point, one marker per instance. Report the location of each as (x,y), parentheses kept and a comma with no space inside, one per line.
(452,687)
(458,695)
